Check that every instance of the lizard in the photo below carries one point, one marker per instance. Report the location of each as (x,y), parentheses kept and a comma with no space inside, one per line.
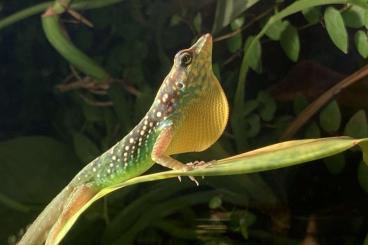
(189,114)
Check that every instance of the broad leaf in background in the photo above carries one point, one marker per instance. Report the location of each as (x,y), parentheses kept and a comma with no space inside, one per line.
(335,164)
(290,42)
(252,125)
(336,28)
(53,166)
(254,54)
(354,16)
(227,10)
(312,15)
(267,106)
(363,176)
(330,117)
(357,125)
(32,171)
(361,43)
(236,42)
(312,130)
(197,23)
(85,148)
(276,29)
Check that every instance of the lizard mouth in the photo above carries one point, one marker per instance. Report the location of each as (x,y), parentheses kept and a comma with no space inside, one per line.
(204,42)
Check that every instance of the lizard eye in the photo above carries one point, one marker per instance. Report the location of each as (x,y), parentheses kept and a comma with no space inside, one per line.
(185,58)
(180,85)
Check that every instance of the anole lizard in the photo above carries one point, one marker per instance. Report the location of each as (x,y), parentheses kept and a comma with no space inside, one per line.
(189,114)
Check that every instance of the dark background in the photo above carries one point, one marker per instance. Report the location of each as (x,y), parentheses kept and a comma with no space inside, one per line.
(48,135)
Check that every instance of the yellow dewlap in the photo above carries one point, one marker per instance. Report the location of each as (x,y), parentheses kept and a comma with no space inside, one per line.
(203,122)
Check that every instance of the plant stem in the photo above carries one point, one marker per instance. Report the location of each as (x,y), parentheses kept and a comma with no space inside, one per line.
(65,47)
(39,8)
(20,15)
(14,204)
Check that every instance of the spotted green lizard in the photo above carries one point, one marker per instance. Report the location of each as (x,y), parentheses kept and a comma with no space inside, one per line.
(189,114)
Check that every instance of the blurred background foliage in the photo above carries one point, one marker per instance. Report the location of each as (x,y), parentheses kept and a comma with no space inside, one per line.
(54,120)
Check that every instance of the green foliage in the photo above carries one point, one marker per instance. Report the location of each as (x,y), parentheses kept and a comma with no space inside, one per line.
(135,49)
(357,125)
(336,28)
(254,54)
(361,43)
(290,42)
(312,15)
(330,117)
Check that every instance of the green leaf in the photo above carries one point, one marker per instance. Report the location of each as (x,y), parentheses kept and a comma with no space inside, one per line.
(234,43)
(175,20)
(91,113)
(335,164)
(36,167)
(361,43)
(312,15)
(363,176)
(271,157)
(217,70)
(197,22)
(330,117)
(366,240)
(250,106)
(237,23)
(290,42)
(336,28)
(276,29)
(245,221)
(354,17)
(254,54)
(85,149)
(215,202)
(357,125)
(228,10)
(120,104)
(299,104)
(253,125)
(360,3)
(312,131)
(267,106)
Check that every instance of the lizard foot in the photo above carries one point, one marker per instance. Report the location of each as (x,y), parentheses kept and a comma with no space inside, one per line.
(200,164)
(194,165)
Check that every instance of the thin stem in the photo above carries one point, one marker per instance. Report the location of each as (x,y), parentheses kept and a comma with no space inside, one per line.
(14,204)
(314,107)
(234,33)
(39,8)
(20,15)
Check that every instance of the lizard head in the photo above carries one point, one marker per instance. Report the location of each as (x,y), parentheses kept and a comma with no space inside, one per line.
(193,66)
(192,99)
(189,77)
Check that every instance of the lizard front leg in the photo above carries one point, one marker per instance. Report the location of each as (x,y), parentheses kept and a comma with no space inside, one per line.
(159,153)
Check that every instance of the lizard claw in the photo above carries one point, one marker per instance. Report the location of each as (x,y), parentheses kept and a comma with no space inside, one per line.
(198,164)
(194,180)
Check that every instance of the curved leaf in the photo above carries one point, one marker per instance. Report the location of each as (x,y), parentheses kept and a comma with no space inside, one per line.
(361,43)
(336,28)
(290,42)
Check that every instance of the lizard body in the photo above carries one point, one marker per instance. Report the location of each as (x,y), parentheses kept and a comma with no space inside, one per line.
(189,114)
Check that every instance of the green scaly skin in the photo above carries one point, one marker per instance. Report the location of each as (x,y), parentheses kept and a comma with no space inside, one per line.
(134,154)
(131,156)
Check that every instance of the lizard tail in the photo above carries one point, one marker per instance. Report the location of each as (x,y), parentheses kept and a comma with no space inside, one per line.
(58,216)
